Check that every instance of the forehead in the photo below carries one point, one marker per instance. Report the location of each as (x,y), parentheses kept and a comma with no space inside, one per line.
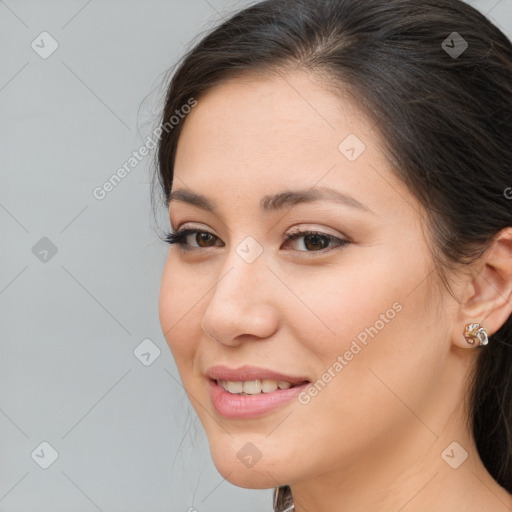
(255,136)
(289,115)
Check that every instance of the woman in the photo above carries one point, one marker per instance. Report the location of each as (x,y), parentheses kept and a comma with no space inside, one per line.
(338,293)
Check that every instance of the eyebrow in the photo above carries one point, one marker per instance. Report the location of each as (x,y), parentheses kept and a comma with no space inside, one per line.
(275,202)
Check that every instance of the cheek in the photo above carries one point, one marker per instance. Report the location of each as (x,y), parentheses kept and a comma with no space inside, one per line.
(178,299)
(367,324)
(360,295)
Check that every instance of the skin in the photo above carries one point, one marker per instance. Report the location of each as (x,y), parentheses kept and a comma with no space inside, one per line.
(373,437)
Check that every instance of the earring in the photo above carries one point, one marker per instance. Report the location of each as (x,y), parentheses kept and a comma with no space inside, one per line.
(475,332)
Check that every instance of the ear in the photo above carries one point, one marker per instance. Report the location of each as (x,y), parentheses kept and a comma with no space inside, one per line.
(487,296)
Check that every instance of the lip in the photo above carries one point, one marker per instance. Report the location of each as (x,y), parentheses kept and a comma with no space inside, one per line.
(247,372)
(234,406)
(249,406)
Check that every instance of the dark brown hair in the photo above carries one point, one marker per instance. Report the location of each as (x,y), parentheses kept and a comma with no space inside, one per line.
(445,118)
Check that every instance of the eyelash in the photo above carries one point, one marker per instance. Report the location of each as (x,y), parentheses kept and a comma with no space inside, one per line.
(179,238)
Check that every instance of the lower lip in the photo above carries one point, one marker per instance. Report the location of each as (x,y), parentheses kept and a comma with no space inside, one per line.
(249,406)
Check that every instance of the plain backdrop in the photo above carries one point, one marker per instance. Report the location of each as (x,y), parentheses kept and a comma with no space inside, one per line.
(88,386)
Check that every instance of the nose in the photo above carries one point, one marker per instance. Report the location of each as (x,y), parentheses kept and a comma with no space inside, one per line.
(243,303)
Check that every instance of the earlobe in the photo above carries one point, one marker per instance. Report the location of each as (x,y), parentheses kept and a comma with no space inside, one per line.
(490,303)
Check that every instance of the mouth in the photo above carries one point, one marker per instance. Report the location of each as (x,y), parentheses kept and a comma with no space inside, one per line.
(256,386)
(242,400)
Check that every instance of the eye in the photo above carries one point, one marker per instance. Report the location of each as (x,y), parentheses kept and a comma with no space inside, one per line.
(314,241)
(184,237)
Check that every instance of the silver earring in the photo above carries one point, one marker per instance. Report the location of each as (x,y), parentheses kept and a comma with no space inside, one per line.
(475,332)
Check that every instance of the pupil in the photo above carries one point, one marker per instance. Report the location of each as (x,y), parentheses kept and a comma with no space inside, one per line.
(317,240)
(204,237)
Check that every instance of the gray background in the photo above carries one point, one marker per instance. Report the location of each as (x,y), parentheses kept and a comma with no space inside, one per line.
(126,436)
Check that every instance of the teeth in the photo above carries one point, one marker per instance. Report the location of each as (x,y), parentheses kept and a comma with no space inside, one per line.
(233,387)
(268,385)
(253,387)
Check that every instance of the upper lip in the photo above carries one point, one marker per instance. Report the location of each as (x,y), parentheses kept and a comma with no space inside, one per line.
(246,372)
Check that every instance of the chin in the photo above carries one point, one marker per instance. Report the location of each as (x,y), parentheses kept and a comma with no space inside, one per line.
(250,478)
(261,475)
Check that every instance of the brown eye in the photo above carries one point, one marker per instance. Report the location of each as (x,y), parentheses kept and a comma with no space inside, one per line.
(312,241)
(203,238)
(315,242)
(188,239)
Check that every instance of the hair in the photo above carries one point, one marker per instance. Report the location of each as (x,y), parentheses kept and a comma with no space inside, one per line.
(445,121)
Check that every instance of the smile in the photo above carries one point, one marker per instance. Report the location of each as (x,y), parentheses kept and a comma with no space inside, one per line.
(254,387)
(244,405)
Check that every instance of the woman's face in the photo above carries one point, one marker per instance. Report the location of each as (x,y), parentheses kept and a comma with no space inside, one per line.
(360,319)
